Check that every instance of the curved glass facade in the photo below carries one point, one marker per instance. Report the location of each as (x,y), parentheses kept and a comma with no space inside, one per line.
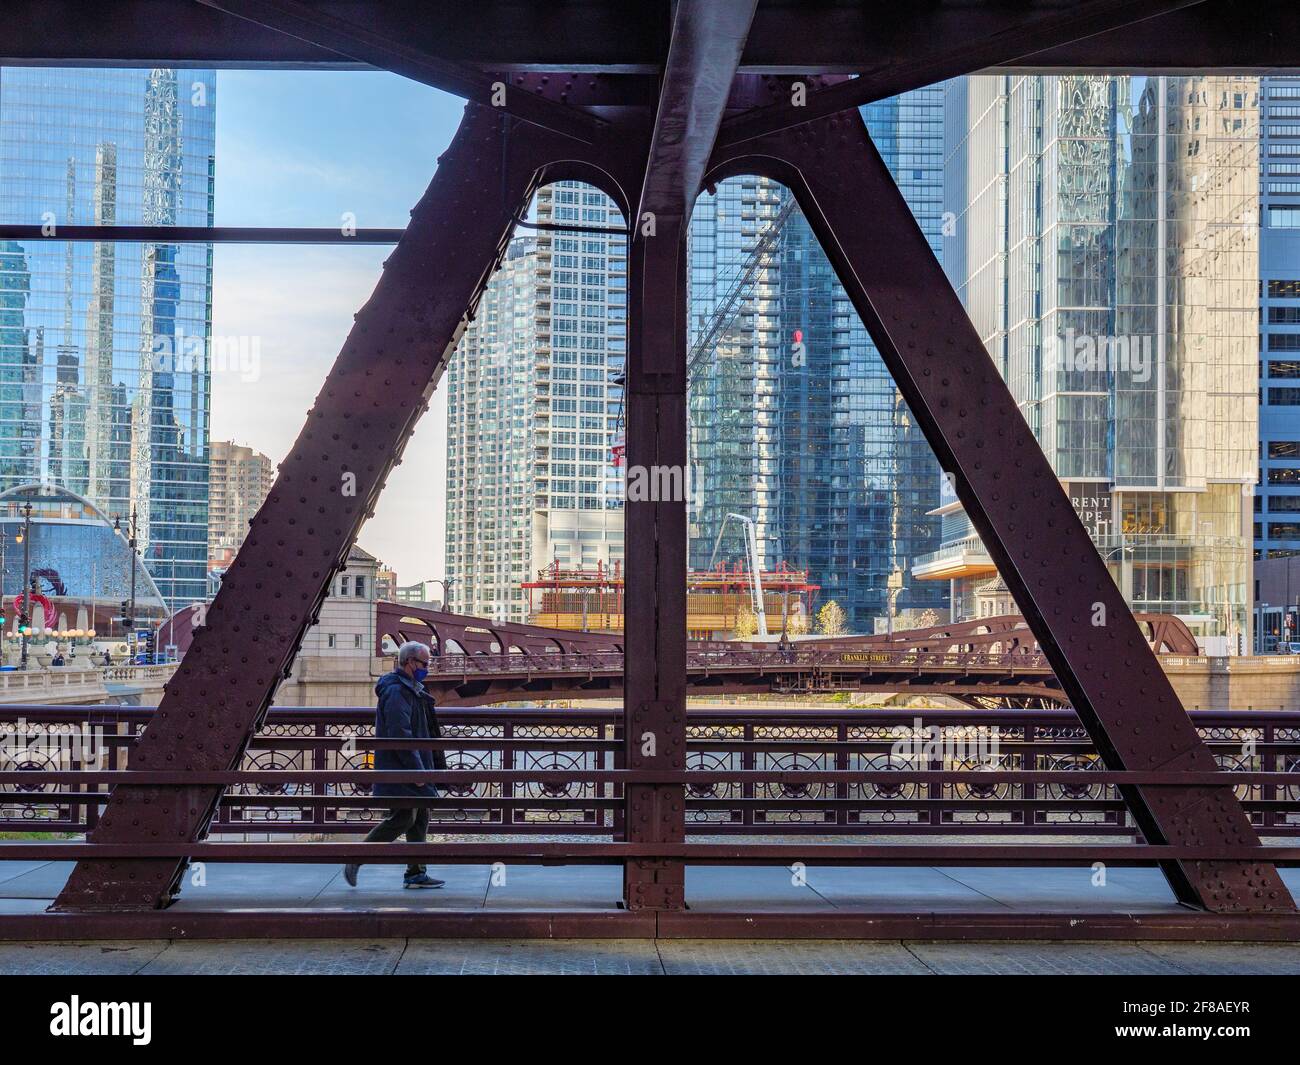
(77,560)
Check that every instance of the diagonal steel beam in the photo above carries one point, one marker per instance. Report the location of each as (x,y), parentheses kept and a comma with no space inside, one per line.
(708,37)
(366,46)
(355,432)
(1018,36)
(1013,497)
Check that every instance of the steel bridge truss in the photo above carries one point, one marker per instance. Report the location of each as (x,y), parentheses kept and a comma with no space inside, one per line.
(701,114)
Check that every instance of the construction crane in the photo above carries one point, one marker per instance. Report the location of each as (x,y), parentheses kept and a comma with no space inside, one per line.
(758,258)
(751,544)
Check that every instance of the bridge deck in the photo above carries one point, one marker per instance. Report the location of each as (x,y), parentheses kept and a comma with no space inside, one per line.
(624,946)
(317,893)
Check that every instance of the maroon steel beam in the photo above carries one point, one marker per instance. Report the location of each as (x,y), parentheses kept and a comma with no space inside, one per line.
(629,40)
(201,234)
(654,672)
(1010,35)
(589,923)
(355,432)
(848,38)
(1212,778)
(364,44)
(707,38)
(38,713)
(442,625)
(984,855)
(1013,497)
(1079,926)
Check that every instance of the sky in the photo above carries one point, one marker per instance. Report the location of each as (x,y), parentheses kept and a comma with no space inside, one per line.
(306,148)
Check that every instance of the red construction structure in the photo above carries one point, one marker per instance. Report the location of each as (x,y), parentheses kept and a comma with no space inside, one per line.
(717,600)
(651,103)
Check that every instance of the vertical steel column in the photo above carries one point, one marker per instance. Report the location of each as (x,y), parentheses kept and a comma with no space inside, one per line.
(1014,498)
(327,486)
(654,660)
(704,49)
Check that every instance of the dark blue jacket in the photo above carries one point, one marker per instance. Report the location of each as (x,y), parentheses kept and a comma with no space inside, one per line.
(405,711)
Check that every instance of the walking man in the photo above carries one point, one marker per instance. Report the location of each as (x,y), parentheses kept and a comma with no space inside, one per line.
(405,711)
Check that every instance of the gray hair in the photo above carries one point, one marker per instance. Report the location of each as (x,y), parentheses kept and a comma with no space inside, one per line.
(410,650)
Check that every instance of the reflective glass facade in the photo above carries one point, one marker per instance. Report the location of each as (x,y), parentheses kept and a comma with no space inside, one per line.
(1277,495)
(103,369)
(1106,247)
(794,420)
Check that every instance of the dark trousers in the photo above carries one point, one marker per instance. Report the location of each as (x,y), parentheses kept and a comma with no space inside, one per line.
(412,821)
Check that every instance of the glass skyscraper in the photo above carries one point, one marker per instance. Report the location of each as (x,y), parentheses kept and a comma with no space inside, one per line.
(1106,249)
(795,423)
(534,407)
(103,347)
(1277,499)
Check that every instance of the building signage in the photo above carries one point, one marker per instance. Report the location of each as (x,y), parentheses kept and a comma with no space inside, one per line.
(1093,503)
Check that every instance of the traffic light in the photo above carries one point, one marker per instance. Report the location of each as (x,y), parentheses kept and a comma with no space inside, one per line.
(150,646)
(127,620)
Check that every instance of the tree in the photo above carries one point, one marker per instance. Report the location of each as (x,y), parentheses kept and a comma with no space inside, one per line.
(746,623)
(797,625)
(831,620)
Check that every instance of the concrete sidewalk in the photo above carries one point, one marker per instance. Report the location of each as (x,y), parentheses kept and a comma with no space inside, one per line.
(641,957)
(28,887)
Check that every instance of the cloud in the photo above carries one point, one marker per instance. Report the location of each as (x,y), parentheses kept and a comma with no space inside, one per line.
(299,303)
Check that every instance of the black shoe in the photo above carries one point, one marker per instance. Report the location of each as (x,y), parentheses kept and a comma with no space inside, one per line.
(350,874)
(421,880)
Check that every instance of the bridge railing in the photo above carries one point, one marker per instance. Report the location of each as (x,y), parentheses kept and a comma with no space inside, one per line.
(755,772)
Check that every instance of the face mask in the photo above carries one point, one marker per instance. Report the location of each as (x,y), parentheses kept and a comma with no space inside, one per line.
(420,674)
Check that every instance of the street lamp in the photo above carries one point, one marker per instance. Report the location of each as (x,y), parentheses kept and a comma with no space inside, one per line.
(446,588)
(1125,584)
(128,622)
(24,616)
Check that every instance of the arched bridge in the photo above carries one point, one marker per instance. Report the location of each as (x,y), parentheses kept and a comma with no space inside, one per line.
(985,662)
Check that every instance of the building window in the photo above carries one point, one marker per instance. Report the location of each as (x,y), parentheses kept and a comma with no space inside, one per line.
(356,640)
(329,640)
(1284,397)
(343,586)
(361,587)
